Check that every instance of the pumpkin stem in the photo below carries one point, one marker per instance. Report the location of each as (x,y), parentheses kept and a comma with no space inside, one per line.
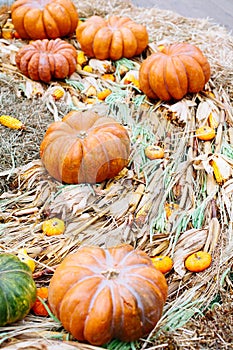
(82,134)
(110,274)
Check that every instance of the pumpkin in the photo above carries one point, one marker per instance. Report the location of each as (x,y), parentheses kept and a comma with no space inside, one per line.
(163,263)
(173,71)
(47,59)
(53,227)
(111,38)
(44,19)
(85,148)
(154,152)
(38,307)
(99,294)
(198,261)
(17,289)
(205,133)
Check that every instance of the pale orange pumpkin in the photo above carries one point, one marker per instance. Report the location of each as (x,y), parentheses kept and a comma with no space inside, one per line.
(85,148)
(100,294)
(111,38)
(44,19)
(173,71)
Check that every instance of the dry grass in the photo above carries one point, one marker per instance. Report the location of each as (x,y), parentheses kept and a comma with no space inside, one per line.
(131,207)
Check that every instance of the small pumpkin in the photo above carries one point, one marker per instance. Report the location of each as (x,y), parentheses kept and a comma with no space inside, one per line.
(38,307)
(85,148)
(44,19)
(205,133)
(111,38)
(47,59)
(173,71)
(53,227)
(154,152)
(99,294)
(17,289)
(163,263)
(198,261)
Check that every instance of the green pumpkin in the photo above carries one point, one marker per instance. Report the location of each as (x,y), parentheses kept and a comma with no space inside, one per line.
(17,289)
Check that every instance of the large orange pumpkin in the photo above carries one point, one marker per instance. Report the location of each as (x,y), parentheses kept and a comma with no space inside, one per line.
(85,148)
(46,59)
(44,19)
(114,37)
(174,71)
(99,294)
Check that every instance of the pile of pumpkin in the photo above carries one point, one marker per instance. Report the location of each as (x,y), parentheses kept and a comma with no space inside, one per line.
(98,294)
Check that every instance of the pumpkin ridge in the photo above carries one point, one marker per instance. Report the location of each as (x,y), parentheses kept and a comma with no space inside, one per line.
(149,283)
(104,151)
(136,296)
(178,92)
(184,70)
(190,75)
(45,20)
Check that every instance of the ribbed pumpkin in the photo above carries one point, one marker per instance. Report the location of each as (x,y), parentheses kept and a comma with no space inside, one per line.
(100,294)
(174,71)
(47,59)
(85,148)
(44,19)
(111,38)
(17,289)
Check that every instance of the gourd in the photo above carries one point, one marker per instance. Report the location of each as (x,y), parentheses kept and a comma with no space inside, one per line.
(205,133)
(154,152)
(163,263)
(17,289)
(47,59)
(53,227)
(173,71)
(85,148)
(38,307)
(44,19)
(99,294)
(111,38)
(198,261)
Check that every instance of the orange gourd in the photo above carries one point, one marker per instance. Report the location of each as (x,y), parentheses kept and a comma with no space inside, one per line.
(205,133)
(44,19)
(100,294)
(111,38)
(173,71)
(38,308)
(198,261)
(154,152)
(163,263)
(53,227)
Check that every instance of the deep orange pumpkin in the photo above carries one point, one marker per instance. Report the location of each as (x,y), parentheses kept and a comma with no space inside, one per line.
(174,71)
(85,148)
(47,59)
(44,19)
(114,37)
(99,294)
